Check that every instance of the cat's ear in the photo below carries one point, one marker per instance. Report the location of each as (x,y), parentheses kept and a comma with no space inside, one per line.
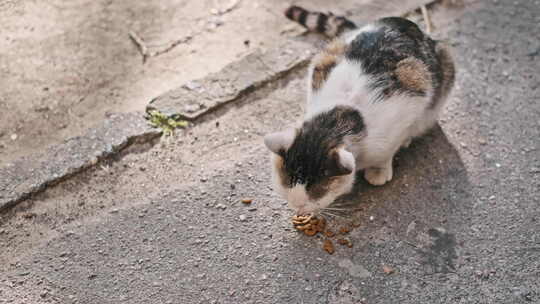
(279,142)
(341,162)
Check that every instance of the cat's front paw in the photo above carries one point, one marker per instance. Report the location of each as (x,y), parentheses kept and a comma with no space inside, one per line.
(378,176)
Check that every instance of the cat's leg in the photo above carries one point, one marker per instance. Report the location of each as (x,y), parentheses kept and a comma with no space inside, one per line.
(379,175)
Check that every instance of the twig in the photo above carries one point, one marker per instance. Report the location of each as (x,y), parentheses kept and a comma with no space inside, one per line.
(410,244)
(427,19)
(140,45)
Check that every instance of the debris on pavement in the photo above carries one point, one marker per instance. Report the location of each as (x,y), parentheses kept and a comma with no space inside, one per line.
(247,201)
(328,246)
(387,269)
(345,242)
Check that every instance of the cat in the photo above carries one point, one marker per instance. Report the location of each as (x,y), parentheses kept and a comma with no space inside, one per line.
(371,90)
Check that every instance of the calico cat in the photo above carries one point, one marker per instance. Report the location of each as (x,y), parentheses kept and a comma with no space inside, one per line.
(370,91)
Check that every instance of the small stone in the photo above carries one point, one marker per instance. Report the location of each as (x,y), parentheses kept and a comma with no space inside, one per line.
(192,85)
(14,136)
(192,108)
(242,218)
(371,218)
(387,269)
(482,141)
(204,180)
(221,206)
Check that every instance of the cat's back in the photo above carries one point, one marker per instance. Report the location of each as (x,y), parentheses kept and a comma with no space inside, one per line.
(388,58)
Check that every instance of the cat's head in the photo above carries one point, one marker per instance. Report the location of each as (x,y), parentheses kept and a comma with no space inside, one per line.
(309,170)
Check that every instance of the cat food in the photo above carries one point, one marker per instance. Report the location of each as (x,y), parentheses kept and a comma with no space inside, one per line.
(328,246)
(309,224)
(329,233)
(345,242)
(301,219)
(344,230)
(247,201)
(310,232)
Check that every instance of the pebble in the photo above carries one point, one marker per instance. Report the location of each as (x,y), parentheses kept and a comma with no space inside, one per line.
(14,136)
(243,218)
(192,85)
(221,206)
(388,269)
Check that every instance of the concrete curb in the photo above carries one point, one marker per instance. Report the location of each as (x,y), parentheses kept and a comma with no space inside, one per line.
(238,78)
(32,174)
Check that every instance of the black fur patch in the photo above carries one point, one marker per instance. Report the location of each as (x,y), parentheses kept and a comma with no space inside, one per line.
(393,40)
(302,18)
(311,157)
(322,19)
(345,24)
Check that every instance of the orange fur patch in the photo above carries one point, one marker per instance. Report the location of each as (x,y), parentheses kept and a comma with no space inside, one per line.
(325,62)
(413,74)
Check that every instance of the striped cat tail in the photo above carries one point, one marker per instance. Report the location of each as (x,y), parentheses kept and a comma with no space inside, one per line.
(326,24)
